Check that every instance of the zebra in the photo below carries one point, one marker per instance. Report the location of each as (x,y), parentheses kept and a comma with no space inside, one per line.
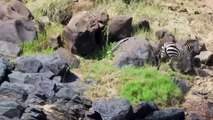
(175,52)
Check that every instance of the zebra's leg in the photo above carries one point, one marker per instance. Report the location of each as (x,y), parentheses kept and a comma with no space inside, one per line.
(171,64)
(159,60)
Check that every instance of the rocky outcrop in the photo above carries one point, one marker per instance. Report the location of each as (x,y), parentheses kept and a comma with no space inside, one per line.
(26,94)
(81,32)
(11,109)
(134,51)
(37,81)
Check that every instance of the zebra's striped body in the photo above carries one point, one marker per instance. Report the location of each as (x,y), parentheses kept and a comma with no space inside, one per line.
(175,52)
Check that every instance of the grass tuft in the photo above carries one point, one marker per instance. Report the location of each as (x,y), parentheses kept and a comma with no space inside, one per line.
(149,85)
(42,45)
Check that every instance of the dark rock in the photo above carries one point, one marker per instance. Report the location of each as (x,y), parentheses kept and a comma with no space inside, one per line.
(11,109)
(82,100)
(54,64)
(10,49)
(78,110)
(168,114)
(82,33)
(185,65)
(201,72)
(144,24)
(79,34)
(70,109)
(134,51)
(66,93)
(120,27)
(78,85)
(206,57)
(113,109)
(210,107)
(174,8)
(33,114)
(28,65)
(102,18)
(6,118)
(17,31)
(70,58)
(196,62)
(6,12)
(35,100)
(45,90)
(92,115)
(28,78)
(143,109)
(56,41)
(182,84)
(2,72)
(183,10)
(13,91)
(43,64)
(21,9)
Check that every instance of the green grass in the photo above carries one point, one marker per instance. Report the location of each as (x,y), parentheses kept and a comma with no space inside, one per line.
(42,45)
(133,83)
(149,85)
(52,8)
(137,10)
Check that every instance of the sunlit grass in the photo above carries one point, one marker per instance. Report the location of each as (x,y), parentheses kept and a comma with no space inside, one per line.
(42,45)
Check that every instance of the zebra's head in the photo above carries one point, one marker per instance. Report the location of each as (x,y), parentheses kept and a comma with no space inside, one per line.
(194,46)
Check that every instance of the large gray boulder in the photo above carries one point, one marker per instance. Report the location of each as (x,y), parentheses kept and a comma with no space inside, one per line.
(113,109)
(120,27)
(11,109)
(9,49)
(134,51)
(17,31)
(42,64)
(20,8)
(13,91)
(28,78)
(80,33)
(142,109)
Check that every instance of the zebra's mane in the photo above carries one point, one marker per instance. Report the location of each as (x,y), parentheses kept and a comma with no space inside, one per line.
(191,41)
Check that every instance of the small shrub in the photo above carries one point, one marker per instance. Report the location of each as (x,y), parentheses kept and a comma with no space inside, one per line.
(151,86)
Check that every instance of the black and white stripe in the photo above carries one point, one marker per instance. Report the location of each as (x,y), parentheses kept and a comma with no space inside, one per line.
(175,52)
